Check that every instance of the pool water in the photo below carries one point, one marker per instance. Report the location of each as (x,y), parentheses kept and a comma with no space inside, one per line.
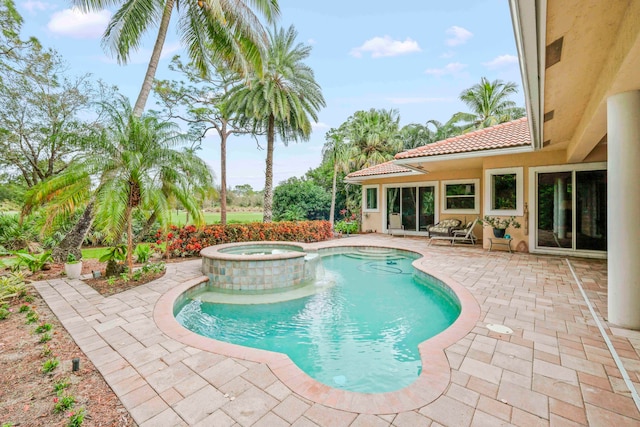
(360,335)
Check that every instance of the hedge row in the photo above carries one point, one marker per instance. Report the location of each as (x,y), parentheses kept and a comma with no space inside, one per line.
(189,240)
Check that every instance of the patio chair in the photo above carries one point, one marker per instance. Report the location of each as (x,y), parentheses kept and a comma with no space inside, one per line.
(395,224)
(464,235)
(444,227)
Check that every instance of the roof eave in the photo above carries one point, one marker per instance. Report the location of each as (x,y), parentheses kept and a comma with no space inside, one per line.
(360,179)
(529,27)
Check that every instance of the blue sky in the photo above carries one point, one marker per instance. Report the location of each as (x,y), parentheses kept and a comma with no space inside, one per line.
(415,56)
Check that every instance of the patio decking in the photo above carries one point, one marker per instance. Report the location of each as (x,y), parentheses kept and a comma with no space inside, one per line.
(555,369)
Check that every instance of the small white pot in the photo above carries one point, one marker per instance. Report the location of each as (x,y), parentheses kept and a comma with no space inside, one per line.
(74,270)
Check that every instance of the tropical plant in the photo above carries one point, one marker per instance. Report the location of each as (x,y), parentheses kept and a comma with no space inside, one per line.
(500,223)
(415,135)
(282,102)
(373,137)
(442,131)
(11,286)
(71,259)
(136,168)
(114,257)
(34,262)
(489,104)
(335,151)
(220,29)
(143,253)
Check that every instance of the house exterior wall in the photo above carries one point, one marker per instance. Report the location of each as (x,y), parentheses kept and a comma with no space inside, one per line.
(438,173)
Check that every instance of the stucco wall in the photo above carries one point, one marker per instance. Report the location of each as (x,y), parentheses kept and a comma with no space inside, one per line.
(374,221)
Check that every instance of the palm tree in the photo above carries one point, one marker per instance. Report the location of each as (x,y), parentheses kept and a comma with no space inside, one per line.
(283,102)
(489,104)
(229,25)
(336,151)
(373,136)
(445,130)
(415,135)
(135,167)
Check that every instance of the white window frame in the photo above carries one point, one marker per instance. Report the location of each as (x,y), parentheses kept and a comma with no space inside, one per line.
(488,191)
(364,198)
(476,198)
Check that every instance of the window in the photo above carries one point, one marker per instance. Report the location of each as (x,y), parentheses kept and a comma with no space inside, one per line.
(461,196)
(504,192)
(371,199)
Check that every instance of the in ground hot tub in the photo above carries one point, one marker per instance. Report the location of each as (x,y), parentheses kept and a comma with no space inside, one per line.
(258,266)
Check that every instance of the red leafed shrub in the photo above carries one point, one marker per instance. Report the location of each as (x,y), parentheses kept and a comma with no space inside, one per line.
(189,240)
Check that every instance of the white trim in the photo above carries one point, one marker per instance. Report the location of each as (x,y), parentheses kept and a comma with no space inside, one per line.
(533,209)
(488,191)
(443,192)
(467,155)
(365,199)
(436,210)
(360,179)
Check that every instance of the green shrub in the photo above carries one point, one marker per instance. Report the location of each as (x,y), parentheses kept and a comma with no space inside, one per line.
(347,227)
(4,313)
(63,403)
(44,327)
(11,286)
(76,418)
(45,337)
(143,253)
(49,365)
(60,385)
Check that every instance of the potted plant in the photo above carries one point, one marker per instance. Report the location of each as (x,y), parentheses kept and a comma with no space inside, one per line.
(500,225)
(73,267)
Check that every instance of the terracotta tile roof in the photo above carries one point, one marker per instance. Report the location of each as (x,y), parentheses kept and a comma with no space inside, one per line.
(504,135)
(381,169)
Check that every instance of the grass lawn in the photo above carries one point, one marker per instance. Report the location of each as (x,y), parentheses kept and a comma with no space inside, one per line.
(214,217)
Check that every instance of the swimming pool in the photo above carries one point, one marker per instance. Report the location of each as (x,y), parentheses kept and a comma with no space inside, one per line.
(361,334)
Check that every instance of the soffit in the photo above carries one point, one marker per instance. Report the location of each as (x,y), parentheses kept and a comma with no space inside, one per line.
(592,67)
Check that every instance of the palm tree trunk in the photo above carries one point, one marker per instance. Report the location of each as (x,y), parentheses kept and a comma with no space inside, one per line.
(155,59)
(268,181)
(332,213)
(223,174)
(72,242)
(129,240)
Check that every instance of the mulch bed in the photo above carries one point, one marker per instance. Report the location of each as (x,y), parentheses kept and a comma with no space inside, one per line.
(26,394)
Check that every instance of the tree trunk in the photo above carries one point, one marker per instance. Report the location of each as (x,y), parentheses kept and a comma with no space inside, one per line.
(268,175)
(155,59)
(129,240)
(223,174)
(72,242)
(332,212)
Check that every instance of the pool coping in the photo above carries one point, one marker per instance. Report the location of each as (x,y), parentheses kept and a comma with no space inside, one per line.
(430,384)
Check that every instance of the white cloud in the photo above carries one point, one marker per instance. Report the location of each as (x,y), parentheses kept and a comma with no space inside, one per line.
(452,68)
(416,100)
(142,56)
(448,54)
(386,46)
(34,6)
(319,126)
(458,35)
(311,42)
(74,23)
(501,61)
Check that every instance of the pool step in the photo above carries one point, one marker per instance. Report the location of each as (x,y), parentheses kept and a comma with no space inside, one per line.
(376,254)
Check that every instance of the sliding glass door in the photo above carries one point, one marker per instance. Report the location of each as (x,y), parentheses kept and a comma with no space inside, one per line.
(572,210)
(415,204)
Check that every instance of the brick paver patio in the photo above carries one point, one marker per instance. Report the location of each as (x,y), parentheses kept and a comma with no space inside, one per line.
(555,369)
